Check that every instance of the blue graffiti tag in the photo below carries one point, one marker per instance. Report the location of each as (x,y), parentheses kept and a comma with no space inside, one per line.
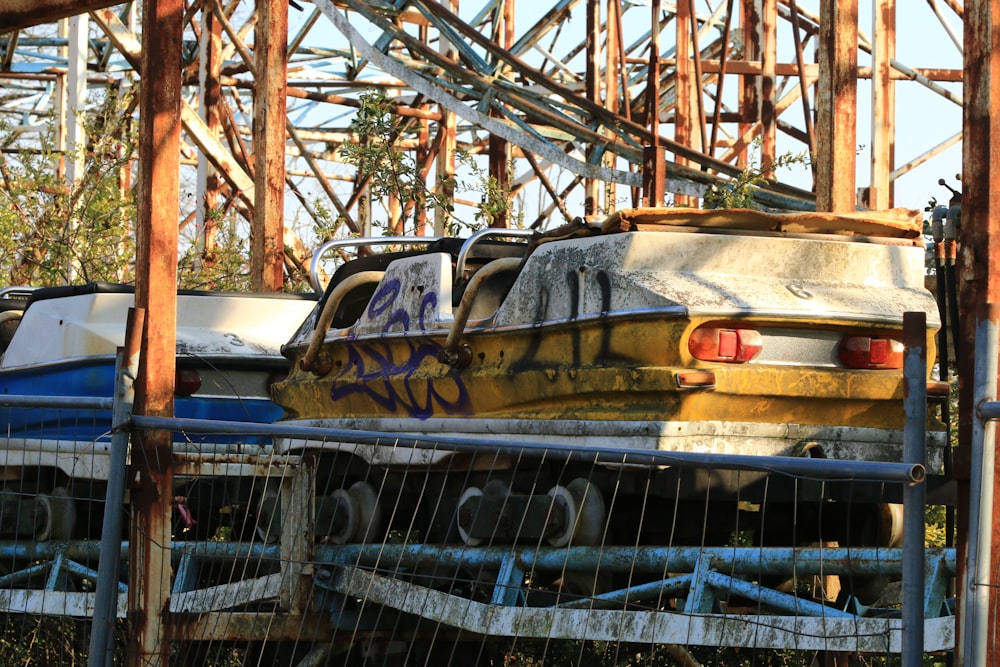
(379,383)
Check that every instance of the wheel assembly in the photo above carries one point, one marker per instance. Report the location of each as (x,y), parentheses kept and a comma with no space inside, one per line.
(55,515)
(349,515)
(269,515)
(567,514)
(481,512)
(583,514)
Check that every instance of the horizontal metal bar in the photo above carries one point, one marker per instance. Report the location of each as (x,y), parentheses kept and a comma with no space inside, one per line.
(989,410)
(820,469)
(359,242)
(68,402)
(656,560)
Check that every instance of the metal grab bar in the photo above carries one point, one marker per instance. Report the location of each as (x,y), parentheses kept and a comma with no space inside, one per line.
(451,354)
(496,232)
(310,361)
(314,279)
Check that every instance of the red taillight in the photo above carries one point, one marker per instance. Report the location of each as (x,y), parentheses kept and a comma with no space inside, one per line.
(870,352)
(733,346)
(186,381)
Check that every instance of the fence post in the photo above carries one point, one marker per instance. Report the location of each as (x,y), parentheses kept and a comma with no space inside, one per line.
(297,528)
(914,494)
(106,603)
(975,590)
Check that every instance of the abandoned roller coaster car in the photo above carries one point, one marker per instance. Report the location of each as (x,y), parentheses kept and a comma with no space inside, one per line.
(670,329)
(62,342)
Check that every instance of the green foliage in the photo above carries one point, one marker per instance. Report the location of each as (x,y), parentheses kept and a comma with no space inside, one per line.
(51,234)
(325,224)
(739,192)
(46,640)
(392,172)
(495,197)
(528,653)
(224,266)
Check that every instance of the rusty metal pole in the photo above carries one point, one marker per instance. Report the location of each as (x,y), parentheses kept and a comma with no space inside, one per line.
(653,156)
(446,142)
(978,282)
(686,89)
(267,256)
(209,78)
(883,104)
(499,150)
(837,106)
(592,83)
(614,83)
(749,92)
(768,86)
(151,474)
(422,155)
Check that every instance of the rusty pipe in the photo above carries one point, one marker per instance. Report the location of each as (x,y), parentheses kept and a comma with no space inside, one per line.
(309,361)
(450,354)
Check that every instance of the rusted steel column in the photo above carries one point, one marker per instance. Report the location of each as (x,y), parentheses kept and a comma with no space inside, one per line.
(498,147)
(614,82)
(686,89)
(768,85)
(592,84)
(800,62)
(749,92)
(424,163)
(446,143)
(653,156)
(836,106)
(883,104)
(151,474)
(979,249)
(654,167)
(267,254)
(209,183)
(498,170)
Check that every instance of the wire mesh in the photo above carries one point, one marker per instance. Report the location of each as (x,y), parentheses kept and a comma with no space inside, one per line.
(321,551)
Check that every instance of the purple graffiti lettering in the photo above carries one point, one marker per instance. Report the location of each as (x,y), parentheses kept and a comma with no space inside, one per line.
(427,305)
(384,297)
(372,371)
(379,384)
